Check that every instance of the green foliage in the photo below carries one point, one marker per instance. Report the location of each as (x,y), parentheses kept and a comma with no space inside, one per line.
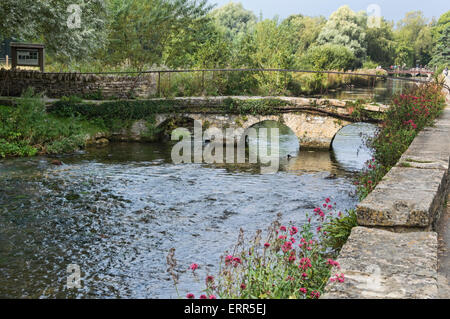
(329,57)
(346,28)
(338,229)
(233,20)
(441,52)
(408,115)
(289,263)
(139,29)
(414,40)
(27,130)
(46,21)
(381,45)
(253,107)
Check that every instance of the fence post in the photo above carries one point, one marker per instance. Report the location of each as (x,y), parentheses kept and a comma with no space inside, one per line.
(203,82)
(159,83)
(7,61)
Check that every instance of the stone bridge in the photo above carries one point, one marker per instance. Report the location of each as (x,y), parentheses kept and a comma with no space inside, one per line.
(314,121)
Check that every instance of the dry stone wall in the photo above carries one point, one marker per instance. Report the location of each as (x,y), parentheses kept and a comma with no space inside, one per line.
(56,85)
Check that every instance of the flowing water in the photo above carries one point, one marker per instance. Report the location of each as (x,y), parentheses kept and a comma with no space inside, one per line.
(380,93)
(116,212)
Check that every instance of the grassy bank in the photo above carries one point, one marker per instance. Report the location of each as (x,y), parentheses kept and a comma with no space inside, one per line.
(28,130)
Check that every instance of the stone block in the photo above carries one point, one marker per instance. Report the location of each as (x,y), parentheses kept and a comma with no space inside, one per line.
(406,197)
(382,264)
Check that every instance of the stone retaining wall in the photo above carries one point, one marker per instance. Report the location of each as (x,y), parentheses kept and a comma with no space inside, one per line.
(395,254)
(56,85)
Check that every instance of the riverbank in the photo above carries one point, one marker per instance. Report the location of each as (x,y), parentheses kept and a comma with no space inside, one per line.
(394,251)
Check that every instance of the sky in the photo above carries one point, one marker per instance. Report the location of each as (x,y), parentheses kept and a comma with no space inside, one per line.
(390,9)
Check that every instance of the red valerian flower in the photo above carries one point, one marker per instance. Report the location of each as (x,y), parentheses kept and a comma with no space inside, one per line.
(193,267)
(190,296)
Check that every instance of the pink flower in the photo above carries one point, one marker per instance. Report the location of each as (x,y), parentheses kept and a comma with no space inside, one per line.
(212,297)
(333,263)
(209,280)
(283,228)
(267,245)
(305,263)
(190,296)
(315,294)
(202,297)
(243,286)
(294,230)
(303,290)
(228,259)
(327,200)
(286,246)
(193,267)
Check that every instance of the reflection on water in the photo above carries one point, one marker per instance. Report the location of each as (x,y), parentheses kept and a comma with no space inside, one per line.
(381,93)
(116,212)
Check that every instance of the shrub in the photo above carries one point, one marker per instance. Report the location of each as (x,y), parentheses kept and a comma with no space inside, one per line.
(291,263)
(408,115)
(27,130)
(329,57)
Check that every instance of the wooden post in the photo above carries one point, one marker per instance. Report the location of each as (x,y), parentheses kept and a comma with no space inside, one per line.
(7,61)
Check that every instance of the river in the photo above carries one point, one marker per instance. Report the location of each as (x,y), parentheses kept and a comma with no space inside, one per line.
(116,211)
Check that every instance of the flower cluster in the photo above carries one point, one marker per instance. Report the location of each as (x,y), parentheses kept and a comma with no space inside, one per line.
(290,263)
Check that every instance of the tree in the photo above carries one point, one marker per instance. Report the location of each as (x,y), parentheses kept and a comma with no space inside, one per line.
(346,28)
(329,57)
(48,21)
(302,31)
(381,44)
(441,52)
(409,30)
(139,30)
(233,20)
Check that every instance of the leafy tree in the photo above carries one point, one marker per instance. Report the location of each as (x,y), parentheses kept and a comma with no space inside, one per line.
(408,31)
(302,31)
(141,29)
(381,44)
(346,28)
(47,21)
(329,57)
(233,20)
(423,46)
(441,53)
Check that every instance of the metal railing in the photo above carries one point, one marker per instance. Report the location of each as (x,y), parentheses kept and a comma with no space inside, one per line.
(371,77)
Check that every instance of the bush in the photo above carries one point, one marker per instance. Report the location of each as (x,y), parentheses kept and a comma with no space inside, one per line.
(329,57)
(408,115)
(291,263)
(27,130)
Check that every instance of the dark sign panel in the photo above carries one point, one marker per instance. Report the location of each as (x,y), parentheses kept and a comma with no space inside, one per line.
(24,54)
